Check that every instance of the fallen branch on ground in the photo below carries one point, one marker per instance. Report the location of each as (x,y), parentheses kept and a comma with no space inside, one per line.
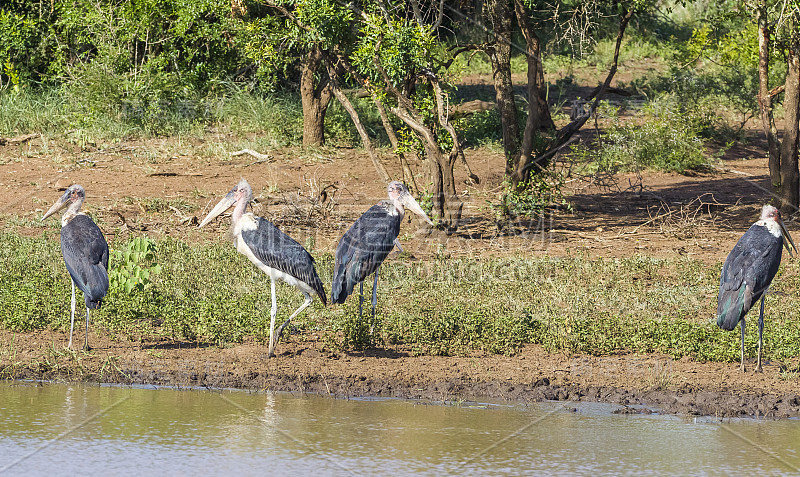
(18,139)
(257,155)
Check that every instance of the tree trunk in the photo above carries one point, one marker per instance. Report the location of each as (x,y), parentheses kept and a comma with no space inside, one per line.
(564,135)
(446,203)
(765,99)
(790,177)
(315,96)
(537,89)
(498,14)
(538,110)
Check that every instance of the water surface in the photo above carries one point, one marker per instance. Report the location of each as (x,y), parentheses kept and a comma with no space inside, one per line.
(57,429)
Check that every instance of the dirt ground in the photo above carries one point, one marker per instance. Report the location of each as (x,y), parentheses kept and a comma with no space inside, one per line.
(162,186)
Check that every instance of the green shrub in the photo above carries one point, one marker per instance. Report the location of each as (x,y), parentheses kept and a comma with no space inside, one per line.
(664,138)
(480,129)
(175,43)
(718,73)
(131,265)
(34,285)
(543,190)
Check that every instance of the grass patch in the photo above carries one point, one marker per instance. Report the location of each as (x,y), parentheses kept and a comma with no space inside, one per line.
(211,294)
(160,205)
(277,118)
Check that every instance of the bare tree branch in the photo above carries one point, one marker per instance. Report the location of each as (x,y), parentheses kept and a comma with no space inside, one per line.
(447,126)
(348,106)
(777,90)
(417,12)
(408,174)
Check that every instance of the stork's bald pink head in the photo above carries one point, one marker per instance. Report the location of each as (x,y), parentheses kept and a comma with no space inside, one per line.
(771,219)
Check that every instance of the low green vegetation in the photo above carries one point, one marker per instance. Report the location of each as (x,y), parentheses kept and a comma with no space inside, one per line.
(134,263)
(210,294)
(542,192)
(669,139)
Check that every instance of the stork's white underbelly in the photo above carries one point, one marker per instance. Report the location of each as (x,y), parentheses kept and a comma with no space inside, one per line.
(274,273)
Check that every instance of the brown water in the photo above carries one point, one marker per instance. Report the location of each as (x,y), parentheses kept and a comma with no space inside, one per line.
(105,430)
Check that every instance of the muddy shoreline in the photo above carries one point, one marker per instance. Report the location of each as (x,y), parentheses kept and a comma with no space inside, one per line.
(304,365)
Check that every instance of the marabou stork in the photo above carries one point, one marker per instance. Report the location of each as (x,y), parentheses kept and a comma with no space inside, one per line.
(85,253)
(272,251)
(369,240)
(748,272)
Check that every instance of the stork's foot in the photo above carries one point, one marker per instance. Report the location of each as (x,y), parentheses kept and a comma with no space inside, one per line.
(759,369)
(279,331)
(742,368)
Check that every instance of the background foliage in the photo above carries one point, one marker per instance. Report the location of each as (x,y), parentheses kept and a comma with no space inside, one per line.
(159,67)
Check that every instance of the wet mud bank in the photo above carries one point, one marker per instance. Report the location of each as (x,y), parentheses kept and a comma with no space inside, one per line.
(657,382)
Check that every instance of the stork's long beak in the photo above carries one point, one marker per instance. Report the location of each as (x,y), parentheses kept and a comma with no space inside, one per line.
(221,207)
(60,203)
(411,204)
(787,239)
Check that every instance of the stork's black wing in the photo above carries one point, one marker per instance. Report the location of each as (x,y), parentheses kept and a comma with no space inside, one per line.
(363,248)
(281,252)
(746,274)
(85,254)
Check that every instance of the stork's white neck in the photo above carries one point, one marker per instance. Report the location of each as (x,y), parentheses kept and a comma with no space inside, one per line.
(70,214)
(238,211)
(771,226)
(243,223)
(396,208)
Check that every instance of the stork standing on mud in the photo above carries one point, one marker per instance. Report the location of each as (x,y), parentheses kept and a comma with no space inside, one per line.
(272,251)
(748,272)
(369,240)
(85,253)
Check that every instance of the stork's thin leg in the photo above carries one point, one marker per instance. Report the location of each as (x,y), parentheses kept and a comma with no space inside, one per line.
(375,291)
(760,333)
(272,313)
(374,299)
(742,323)
(72,316)
(86,336)
(301,308)
(397,244)
(361,299)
